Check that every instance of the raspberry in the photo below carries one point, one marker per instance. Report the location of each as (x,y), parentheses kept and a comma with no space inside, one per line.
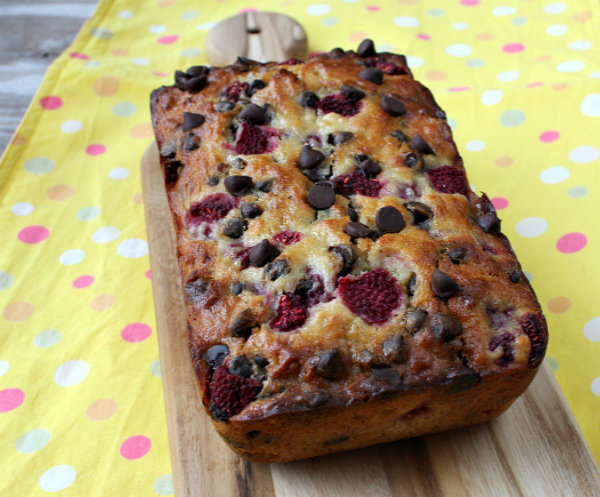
(448,179)
(290,62)
(312,290)
(339,104)
(211,208)
(499,318)
(234,91)
(230,392)
(386,67)
(253,139)
(417,411)
(505,341)
(242,255)
(357,182)
(538,335)
(292,312)
(373,296)
(287,237)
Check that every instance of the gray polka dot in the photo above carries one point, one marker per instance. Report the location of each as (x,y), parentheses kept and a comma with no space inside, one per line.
(578,192)
(190,14)
(39,165)
(164,485)
(124,109)
(6,280)
(155,368)
(47,338)
(512,118)
(32,441)
(553,363)
(475,62)
(436,12)
(191,52)
(88,213)
(102,33)
(329,21)
(519,21)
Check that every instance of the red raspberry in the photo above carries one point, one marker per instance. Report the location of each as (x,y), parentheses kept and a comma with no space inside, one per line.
(292,312)
(386,67)
(253,139)
(505,341)
(231,392)
(234,91)
(242,254)
(538,335)
(448,179)
(290,62)
(337,103)
(287,237)
(373,296)
(357,182)
(211,208)
(499,318)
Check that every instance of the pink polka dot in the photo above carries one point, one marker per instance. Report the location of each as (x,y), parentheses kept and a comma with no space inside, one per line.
(11,398)
(167,40)
(423,36)
(136,332)
(51,103)
(549,136)
(513,47)
(149,274)
(160,74)
(80,56)
(372,8)
(459,88)
(33,234)
(247,9)
(135,447)
(469,3)
(499,203)
(571,242)
(95,149)
(83,281)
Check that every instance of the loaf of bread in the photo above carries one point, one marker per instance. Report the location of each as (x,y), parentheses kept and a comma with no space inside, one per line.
(344,285)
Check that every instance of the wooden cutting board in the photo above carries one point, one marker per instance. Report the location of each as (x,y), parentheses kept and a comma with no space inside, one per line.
(534,449)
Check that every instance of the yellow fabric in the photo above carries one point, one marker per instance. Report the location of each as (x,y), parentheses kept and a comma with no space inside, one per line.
(81,406)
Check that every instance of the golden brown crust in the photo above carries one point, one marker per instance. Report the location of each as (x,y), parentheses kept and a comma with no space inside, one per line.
(451,328)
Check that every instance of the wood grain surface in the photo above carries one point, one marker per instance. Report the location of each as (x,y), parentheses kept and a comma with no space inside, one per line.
(534,449)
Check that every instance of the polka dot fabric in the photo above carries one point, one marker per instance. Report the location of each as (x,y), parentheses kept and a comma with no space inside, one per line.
(78,352)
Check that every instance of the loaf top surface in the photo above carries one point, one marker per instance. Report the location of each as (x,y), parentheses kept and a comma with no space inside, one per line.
(330,247)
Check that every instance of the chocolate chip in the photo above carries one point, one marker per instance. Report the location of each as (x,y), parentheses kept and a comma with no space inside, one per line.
(172,172)
(224,106)
(262,253)
(414,320)
(443,285)
(490,223)
(195,71)
(387,375)
(348,255)
(515,276)
(330,364)
(394,349)
(392,106)
(181,80)
(253,114)
(169,149)
(327,182)
(411,160)
(421,213)
(441,114)
(242,325)
(239,163)
(237,288)
(253,433)
(194,289)
(235,228)
(352,94)
(389,219)
(370,168)
(238,185)
(461,380)
(321,196)
(264,186)
(352,214)
(257,84)
(215,355)
(445,327)
(241,366)
(260,361)
(212,180)
(366,48)
(401,137)
(276,269)
(190,142)
(417,142)
(336,440)
(192,120)
(339,137)
(411,285)
(242,64)
(310,157)
(357,230)
(360,158)
(372,74)
(457,255)
(250,211)
(194,85)
(336,53)
(314,174)
(217,413)
(309,99)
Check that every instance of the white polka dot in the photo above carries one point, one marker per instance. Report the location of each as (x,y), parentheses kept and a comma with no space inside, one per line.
(554,8)
(595,386)
(318,9)
(459,50)
(205,26)
(22,209)
(570,66)
(580,45)
(460,26)
(157,29)
(555,174)
(58,478)
(591,329)
(71,373)
(71,126)
(595,75)
(504,11)
(584,154)
(118,173)
(491,97)
(414,61)
(4,366)
(406,21)
(591,105)
(507,76)
(556,30)
(452,123)
(125,14)
(106,234)
(475,145)
(140,62)
(132,248)
(530,227)
(71,257)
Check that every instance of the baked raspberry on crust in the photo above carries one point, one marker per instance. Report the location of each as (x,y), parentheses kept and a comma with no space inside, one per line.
(231,392)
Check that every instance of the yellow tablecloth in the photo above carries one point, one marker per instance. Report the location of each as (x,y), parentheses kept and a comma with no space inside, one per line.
(81,405)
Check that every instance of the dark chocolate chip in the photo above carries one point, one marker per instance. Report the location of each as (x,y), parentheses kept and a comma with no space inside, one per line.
(195,71)
(457,255)
(181,80)
(461,380)
(366,48)
(264,186)
(253,433)
(304,287)
(250,211)
(241,366)
(441,114)
(256,85)
(360,158)
(357,230)
(217,413)
(314,174)
(260,361)
(169,149)
(321,196)
(421,212)
(414,320)
(192,120)
(392,106)
(336,53)
(372,74)
(490,223)
(352,94)
(224,106)
(216,355)
(191,142)
(352,214)
(253,114)
(172,172)
(443,285)
(242,325)
(263,253)
(327,182)
(394,349)
(194,85)
(417,142)
(401,137)
(212,180)
(411,160)
(412,284)
(239,163)
(277,268)
(330,364)
(515,276)
(237,287)
(337,440)
(445,327)
(370,168)
(238,185)
(389,219)
(235,228)
(348,255)
(387,375)
(310,157)
(309,99)
(242,64)
(339,137)
(195,288)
